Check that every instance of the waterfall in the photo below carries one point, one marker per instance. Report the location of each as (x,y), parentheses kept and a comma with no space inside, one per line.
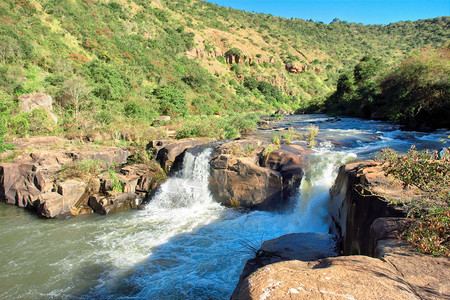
(188,188)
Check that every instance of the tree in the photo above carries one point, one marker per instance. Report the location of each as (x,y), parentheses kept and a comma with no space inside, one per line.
(77,90)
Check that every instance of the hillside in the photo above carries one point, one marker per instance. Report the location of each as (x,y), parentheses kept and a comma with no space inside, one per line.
(111,64)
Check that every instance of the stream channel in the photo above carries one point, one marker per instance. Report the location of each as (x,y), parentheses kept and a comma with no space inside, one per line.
(183,245)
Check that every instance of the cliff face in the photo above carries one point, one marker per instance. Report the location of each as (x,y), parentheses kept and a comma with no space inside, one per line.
(353,209)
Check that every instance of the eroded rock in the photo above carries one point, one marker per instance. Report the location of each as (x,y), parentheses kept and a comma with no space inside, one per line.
(349,277)
(106,205)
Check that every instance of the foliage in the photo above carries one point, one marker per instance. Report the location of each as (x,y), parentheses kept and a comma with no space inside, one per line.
(414,94)
(311,133)
(116,185)
(428,171)
(85,170)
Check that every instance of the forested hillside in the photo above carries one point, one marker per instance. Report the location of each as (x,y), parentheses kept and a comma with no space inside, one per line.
(121,64)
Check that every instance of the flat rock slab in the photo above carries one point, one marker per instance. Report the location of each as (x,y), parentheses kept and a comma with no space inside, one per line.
(349,277)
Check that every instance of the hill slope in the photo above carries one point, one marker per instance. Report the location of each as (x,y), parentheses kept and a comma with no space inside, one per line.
(130,61)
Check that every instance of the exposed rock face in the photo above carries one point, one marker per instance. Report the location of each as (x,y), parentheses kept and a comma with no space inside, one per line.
(52,204)
(240,182)
(29,181)
(173,152)
(114,203)
(349,277)
(296,68)
(297,246)
(111,155)
(28,102)
(243,175)
(354,211)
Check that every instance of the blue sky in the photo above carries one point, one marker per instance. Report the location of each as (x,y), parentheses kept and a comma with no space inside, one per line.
(357,11)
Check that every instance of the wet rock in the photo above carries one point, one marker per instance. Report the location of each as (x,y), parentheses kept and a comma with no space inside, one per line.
(106,205)
(244,175)
(281,111)
(240,182)
(173,153)
(296,246)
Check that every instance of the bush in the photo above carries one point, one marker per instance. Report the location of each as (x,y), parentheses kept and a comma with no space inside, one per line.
(428,171)
(172,100)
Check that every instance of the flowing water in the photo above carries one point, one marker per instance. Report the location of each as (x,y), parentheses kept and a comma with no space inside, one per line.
(183,245)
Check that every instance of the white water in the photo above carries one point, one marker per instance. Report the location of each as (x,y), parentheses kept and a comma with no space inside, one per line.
(184,245)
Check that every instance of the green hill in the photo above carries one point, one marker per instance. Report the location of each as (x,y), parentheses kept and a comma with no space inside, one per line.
(118,64)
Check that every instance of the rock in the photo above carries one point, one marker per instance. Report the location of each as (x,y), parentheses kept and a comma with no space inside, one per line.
(350,277)
(161,119)
(353,209)
(28,102)
(173,153)
(70,195)
(281,111)
(242,176)
(296,246)
(114,203)
(296,68)
(112,155)
(40,142)
(17,184)
(72,191)
(240,182)
(50,204)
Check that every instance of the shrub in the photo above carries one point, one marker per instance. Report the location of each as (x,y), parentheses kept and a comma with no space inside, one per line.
(428,171)
(172,100)
(311,133)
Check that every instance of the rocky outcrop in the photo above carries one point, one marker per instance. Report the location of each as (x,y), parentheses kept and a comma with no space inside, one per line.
(28,102)
(297,246)
(296,68)
(349,277)
(59,204)
(365,224)
(353,208)
(252,173)
(30,180)
(172,153)
(106,205)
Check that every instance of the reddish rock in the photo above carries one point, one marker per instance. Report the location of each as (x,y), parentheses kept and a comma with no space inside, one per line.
(106,205)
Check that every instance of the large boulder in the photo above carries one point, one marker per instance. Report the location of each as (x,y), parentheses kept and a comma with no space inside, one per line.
(240,182)
(17,184)
(62,203)
(252,173)
(296,246)
(28,102)
(173,153)
(349,277)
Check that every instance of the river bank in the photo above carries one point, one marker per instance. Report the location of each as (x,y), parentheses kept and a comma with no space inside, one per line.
(185,244)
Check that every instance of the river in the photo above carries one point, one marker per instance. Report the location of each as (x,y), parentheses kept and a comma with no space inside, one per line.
(183,245)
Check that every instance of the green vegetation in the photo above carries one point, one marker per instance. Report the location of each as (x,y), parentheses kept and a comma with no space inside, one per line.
(311,133)
(430,212)
(121,64)
(416,93)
